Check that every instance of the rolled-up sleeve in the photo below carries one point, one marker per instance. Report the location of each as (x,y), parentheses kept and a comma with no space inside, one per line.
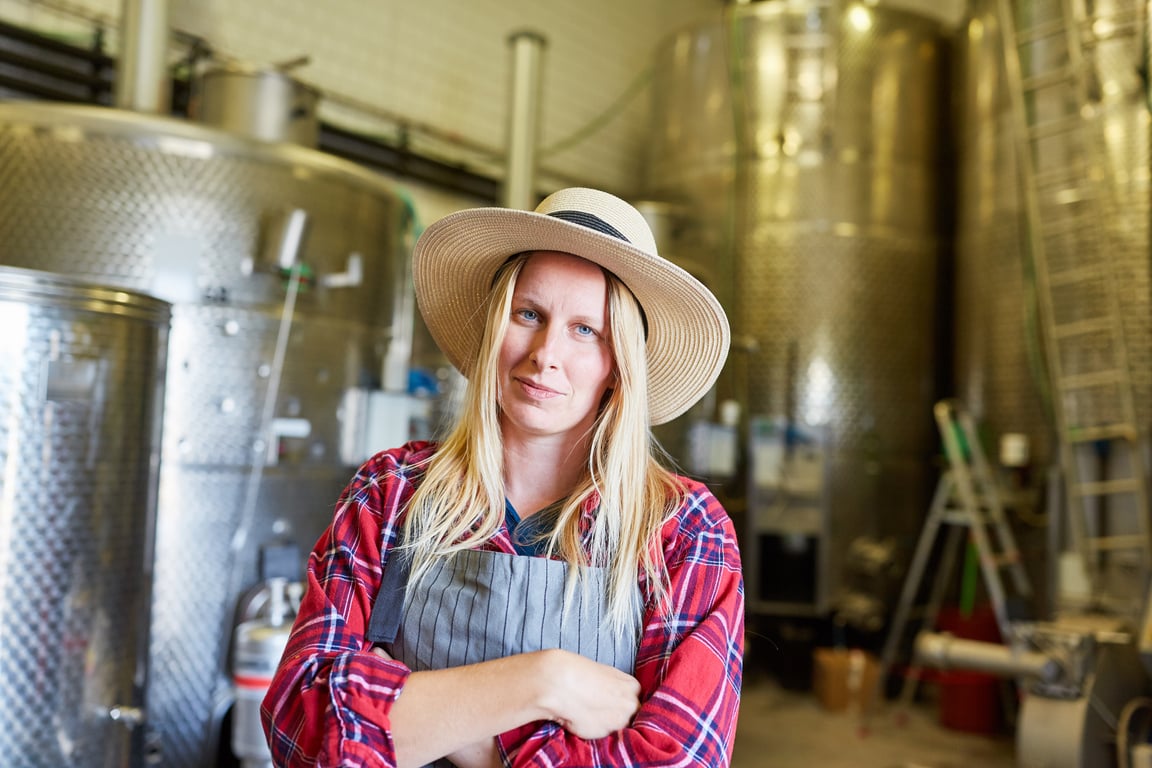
(331,698)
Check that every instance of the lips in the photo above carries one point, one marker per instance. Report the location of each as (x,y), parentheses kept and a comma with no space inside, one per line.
(536,390)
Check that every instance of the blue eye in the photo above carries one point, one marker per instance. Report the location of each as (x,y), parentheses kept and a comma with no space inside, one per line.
(585,330)
(528,314)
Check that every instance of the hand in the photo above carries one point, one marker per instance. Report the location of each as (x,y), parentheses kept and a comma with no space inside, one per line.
(590,700)
(379,651)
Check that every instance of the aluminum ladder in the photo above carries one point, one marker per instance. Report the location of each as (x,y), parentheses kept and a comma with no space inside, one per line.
(1071,214)
(969,498)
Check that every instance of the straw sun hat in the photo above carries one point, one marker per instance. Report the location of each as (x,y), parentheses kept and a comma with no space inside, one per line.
(456,258)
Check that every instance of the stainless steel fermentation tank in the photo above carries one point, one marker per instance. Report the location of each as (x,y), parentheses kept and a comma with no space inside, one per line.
(287,275)
(803,141)
(81,391)
(998,353)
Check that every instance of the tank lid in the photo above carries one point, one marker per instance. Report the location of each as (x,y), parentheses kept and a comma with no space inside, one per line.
(49,287)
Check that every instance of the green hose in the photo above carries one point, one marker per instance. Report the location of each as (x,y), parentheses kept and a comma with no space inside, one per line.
(969,580)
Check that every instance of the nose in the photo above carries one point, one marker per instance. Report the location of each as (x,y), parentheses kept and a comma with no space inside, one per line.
(545,348)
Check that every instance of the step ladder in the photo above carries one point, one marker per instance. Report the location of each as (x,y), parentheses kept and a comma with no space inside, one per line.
(969,500)
(1071,219)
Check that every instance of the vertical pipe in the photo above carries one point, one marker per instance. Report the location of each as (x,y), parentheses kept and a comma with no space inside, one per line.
(142,81)
(523,119)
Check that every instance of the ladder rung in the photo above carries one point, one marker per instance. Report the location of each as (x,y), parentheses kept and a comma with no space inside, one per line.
(1075,275)
(1120,24)
(1091,380)
(1066,174)
(1041,32)
(1129,21)
(1064,225)
(1112,543)
(1107,487)
(1085,197)
(957,516)
(1005,559)
(1102,432)
(1055,127)
(1083,327)
(1049,79)
(964,516)
(961,516)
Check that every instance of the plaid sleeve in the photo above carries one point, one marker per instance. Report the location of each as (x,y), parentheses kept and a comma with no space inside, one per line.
(689,663)
(330,699)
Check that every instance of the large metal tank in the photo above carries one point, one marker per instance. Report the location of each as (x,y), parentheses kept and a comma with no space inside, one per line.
(1000,366)
(287,274)
(81,392)
(999,359)
(805,140)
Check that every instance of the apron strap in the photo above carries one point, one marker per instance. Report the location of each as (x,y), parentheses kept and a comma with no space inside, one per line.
(388,610)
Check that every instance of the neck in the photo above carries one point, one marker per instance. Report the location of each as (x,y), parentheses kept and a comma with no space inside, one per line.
(539,472)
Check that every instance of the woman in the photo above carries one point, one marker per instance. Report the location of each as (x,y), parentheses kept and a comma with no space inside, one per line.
(535,590)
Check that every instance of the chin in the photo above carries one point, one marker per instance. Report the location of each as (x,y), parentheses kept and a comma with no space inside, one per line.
(537,424)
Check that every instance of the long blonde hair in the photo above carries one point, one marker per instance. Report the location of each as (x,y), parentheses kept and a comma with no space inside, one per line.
(459,504)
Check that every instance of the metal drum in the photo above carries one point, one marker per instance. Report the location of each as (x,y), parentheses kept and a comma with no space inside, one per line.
(803,137)
(81,391)
(287,272)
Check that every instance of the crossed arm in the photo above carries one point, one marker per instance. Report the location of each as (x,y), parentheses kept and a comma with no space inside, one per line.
(457,712)
(336,702)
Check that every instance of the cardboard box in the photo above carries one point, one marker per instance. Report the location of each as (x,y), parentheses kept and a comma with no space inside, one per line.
(844,679)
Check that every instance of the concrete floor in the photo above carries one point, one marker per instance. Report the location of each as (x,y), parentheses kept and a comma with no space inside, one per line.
(787,729)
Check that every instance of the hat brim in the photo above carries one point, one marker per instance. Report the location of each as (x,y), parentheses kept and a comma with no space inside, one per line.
(455,260)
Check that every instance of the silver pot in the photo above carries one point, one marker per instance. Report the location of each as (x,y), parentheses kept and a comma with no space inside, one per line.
(261,103)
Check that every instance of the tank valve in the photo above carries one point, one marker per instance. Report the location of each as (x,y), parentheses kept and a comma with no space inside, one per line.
(130,717)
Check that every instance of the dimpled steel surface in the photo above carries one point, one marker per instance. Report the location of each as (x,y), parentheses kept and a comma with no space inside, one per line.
(188,213)
(813,156)
(81,376)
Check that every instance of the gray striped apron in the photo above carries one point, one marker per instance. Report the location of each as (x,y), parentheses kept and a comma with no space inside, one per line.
(478,605)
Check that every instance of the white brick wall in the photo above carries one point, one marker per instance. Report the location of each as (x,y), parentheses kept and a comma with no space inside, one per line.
(446,63)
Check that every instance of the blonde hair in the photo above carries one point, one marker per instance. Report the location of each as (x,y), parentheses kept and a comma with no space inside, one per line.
(459,504)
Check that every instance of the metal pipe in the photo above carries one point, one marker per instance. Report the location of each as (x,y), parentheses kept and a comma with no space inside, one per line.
(523,120)
(142,80)
(945,651)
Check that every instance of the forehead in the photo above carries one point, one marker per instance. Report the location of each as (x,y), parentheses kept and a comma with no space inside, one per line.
(564,271)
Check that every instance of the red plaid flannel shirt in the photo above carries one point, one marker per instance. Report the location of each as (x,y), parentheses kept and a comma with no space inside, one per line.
(330,700)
